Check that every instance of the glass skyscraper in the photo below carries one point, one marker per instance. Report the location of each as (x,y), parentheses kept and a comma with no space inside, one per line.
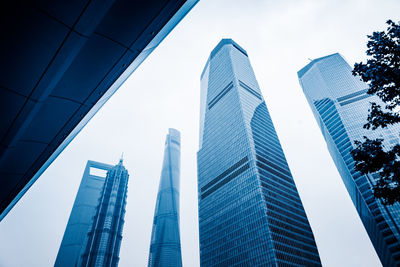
(94,230)
(250,213)
(340,105)
(165,247)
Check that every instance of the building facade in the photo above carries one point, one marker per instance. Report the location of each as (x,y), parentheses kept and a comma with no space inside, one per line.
(340,105)
(94,231)
(250,213)
(165,247)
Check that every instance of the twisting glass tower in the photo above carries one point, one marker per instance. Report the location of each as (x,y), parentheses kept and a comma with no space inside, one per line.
(250,213)
(94,231)
(165,247)
(340,105)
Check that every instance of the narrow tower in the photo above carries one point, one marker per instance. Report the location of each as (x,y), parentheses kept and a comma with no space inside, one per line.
(165,247)
(340,105)
(94,230)
(250,213)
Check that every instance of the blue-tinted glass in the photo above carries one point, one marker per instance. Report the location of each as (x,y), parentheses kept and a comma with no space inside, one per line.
(165,247)
(250,213)
(340,104)
(94,231)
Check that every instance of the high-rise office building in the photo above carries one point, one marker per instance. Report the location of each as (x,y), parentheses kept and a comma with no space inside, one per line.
(250,213)
(94,230)
(165,247)
(340,105)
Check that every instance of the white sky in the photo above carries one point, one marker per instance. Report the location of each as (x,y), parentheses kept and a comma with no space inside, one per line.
(279,36)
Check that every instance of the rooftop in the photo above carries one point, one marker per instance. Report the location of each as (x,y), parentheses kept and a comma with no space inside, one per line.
(301,72)
(222,43)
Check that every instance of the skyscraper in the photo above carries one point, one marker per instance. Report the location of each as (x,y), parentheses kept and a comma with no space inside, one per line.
(94,230)
(340,105)
(165,247)
(250,212)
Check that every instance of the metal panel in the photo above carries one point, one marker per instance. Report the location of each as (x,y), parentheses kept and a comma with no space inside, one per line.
(77,54)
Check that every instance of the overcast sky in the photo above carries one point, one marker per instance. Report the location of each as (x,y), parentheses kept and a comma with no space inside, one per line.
(163,92)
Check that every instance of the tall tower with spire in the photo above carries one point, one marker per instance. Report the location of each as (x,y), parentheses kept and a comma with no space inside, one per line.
(94,230)
(165,247)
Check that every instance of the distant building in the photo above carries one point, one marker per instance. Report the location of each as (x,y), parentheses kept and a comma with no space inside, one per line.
(250,213)
(94,231)
(165,247)
(340,105)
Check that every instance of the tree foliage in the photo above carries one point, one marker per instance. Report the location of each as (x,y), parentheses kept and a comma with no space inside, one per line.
(382,74)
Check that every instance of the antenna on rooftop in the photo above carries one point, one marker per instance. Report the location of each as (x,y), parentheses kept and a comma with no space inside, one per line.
(122,158)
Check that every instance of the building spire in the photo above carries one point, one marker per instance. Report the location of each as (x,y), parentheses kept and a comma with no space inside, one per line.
(121,160)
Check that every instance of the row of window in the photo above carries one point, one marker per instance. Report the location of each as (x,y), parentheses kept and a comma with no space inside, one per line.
(286,217)
(334,125)
(273,171)
(286,260)
(226,180)
(289,234)
(282,201)
(229,170)
(296,252)
(250,90)
(233,218)
(278,182)
(220,95)
(346,97)
(294,243)
(271,164)
(275,188)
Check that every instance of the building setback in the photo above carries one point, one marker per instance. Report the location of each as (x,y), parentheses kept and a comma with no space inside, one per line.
(250,213)
(340,105)
(94,231)
(165,247)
